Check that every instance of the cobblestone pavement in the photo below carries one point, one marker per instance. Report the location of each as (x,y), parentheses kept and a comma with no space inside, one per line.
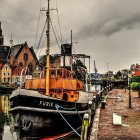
(130,129)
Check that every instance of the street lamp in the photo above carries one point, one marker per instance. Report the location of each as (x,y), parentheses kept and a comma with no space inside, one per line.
(129,91)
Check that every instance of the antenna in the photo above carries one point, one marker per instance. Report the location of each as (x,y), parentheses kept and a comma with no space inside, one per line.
(107,67)
(11,40)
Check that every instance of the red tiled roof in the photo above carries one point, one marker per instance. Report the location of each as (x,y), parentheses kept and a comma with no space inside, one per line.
(17,71)
(1,65)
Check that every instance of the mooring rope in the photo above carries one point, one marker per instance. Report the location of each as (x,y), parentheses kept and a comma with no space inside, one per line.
(66,108)
(78,112)
(57,106)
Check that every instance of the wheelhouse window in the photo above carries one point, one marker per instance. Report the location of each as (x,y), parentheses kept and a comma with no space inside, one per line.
(59,73)
(67,74)
(53,73)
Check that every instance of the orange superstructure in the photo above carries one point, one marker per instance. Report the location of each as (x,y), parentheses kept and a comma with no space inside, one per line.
(62,84)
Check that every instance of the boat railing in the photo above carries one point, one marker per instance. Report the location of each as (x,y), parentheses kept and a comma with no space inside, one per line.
(21,76)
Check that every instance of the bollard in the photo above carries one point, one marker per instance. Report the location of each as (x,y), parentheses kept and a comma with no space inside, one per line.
(85,126)
(103,104)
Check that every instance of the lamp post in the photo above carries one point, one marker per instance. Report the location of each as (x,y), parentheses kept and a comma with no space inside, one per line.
(129,92)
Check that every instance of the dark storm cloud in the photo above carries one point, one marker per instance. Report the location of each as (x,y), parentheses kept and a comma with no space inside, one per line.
(20,17)
(101,25)
(109,27)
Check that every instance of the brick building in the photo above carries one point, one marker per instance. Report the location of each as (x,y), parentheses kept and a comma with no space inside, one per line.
(17,57)
(137,70)
(6,74)
(24,56)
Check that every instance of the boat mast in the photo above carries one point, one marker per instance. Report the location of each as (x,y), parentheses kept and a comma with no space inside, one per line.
(71,61)
(48,49)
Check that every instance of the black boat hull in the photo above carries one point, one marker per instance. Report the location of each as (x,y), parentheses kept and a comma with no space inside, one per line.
(34,116)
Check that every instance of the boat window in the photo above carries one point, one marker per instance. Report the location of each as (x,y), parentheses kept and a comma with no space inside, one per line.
(20,64)
(53,73)
(59,73)
(67,74)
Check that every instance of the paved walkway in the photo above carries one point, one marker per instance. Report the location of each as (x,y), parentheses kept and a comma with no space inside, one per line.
(130,128)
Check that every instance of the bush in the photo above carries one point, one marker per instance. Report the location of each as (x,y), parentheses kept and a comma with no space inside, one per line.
(135,85)
(135,79)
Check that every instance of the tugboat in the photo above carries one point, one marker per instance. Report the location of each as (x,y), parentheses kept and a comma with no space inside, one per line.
(52,105)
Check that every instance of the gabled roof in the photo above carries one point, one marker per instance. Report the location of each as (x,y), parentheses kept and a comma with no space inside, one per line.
(34,55)
(17,71)
(7,65)
(1,65)
(16,50)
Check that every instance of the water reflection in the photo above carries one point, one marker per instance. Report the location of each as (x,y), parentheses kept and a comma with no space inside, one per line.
(6,133)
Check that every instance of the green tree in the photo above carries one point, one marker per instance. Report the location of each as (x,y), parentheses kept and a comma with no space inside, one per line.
(118,75)
(80,70)
(135,79)
(42,60)
(135,83)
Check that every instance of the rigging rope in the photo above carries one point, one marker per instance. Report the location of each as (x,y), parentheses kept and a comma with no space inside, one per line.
(37,27)
(41,35)
(55,34)
(61,38)
(42,48)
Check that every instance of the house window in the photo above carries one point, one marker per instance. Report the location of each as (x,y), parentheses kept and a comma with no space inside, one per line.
(30,67)
(8,79)
(25,56)
(21,64)
(6,68)
(4,73)
(16,79)
(13,80)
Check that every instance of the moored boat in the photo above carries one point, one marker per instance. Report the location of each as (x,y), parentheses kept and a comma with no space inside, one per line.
(54,104)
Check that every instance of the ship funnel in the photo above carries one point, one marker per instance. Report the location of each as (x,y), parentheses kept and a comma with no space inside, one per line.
(66,55)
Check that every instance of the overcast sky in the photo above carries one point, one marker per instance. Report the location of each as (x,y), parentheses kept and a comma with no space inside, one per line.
(107,30)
